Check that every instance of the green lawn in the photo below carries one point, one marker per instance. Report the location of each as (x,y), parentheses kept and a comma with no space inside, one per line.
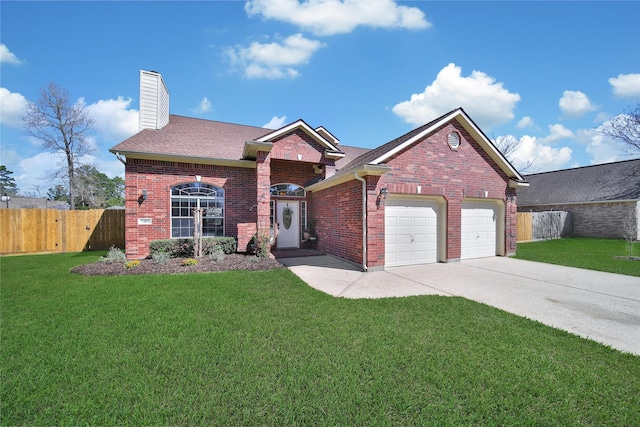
(583,252)
(262,348)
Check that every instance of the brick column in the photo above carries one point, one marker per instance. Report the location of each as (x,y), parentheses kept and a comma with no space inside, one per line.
(263,188)
(454,225)
(511,222)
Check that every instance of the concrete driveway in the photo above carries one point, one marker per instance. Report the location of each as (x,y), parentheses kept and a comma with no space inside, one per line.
(600,306)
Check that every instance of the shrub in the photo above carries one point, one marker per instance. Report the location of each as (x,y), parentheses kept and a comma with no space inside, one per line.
(181,248)
(160,258)
(114,256)
(216,254)
(189,261)
(261,243)
(132,264)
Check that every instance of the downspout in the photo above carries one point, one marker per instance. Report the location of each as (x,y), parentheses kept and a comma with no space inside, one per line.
(364,219)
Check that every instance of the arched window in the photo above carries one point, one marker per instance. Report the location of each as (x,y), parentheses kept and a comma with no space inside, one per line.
(185,198)
(287,190)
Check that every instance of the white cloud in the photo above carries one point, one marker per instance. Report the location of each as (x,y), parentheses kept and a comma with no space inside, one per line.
(329,17)
(544,157)
(626,85)
(114,120)
(600,147)
(6,56)
(276,122)
(485,100)
(525,122)
(274,60)
(575,104)
(203,107)
(556,133)
(12,108)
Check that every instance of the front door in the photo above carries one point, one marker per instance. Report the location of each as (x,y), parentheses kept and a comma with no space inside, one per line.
(288,222)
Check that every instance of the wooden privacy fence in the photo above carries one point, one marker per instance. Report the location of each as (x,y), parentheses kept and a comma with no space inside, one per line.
(525,229)
(51,230)
(543,225)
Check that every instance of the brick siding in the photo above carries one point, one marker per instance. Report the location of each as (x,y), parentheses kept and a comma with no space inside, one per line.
(157,177)
(592,219)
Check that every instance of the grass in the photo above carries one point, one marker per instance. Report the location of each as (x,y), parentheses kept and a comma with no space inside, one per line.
(262,348)
(583,252)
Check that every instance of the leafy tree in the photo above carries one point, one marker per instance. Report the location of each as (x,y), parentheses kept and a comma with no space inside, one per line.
(58,192)
(63,128)
(7,182)
(96,190)
(626,128)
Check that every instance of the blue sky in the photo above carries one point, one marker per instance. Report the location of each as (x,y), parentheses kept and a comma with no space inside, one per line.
(550,74)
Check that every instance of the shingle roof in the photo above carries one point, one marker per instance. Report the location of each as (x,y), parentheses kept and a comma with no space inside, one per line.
(189,137)
(371,155)
(610,181)
(350,153)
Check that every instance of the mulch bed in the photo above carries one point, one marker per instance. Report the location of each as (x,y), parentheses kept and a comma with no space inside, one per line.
(174,266)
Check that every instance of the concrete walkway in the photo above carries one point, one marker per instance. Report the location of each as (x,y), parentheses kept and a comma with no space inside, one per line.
(600,306)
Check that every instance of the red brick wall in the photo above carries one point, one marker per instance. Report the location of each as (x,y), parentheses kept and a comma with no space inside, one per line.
(337,212)
(157,177)
(467,172)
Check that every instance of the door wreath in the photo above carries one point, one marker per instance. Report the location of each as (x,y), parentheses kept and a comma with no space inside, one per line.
(287,216)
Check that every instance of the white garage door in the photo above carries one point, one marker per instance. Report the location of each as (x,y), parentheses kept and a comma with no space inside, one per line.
(411,232)
(479,229)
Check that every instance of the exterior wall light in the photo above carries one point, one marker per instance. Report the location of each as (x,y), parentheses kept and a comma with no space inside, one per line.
(142,197)
(384,192)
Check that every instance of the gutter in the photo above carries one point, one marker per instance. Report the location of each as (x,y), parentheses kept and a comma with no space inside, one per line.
(364,219)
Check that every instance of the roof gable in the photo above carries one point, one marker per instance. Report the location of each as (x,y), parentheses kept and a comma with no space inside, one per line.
(383,153)
(301,125)
(597,183)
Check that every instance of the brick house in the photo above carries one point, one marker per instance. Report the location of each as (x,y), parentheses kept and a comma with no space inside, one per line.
(598,197)
(439,193)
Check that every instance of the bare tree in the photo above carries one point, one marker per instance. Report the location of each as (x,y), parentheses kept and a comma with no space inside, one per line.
(508,145)
(630,228)
(626,128)
(63,128)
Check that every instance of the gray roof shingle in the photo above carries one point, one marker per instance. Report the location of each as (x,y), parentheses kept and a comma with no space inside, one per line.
(606,182)
(189,137)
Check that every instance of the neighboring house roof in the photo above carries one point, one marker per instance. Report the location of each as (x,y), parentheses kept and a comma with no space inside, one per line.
(598,183)
(21,202)
(187,137)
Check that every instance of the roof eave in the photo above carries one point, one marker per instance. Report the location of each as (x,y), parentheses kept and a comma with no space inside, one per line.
(342,177)
(251,148)
(517,184)
(299,124)
(241,163)
(473,130)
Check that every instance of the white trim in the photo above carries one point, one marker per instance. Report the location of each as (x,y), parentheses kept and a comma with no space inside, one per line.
(591,202)
(251,164)
(299,124)
(373,170)
(476,133)
(251,148)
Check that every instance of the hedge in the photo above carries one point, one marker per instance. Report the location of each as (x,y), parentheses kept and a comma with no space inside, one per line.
(183,248)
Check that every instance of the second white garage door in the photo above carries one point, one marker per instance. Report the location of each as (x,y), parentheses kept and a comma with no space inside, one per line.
(479,229)
(411,232)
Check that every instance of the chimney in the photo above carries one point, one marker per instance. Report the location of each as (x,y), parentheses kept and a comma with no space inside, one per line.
(154,101)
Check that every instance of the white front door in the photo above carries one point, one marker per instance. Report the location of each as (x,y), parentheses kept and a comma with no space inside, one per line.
(288,223)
